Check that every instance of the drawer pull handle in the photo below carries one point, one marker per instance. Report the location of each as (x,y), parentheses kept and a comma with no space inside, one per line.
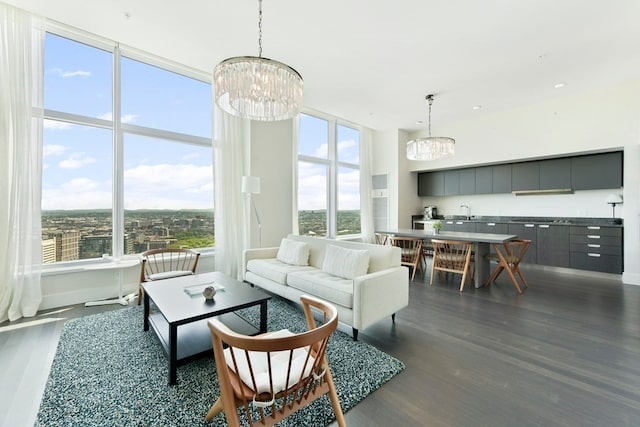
(593,227)
(529,225)
(594,255)
(592,245)
(592,236)
(459,222)
(543,225)
(491,224)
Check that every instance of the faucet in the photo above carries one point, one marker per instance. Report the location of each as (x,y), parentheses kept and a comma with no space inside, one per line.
(468,210)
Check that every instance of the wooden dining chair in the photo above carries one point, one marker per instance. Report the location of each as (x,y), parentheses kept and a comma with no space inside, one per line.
(270,376)
(411,252)
(451,256)
(509,255)
(158,264)
(381,238)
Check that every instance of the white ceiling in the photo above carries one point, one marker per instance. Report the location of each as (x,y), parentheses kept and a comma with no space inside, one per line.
(373,61)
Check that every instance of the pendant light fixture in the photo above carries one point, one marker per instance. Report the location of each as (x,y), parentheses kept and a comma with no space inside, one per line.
(431,147)
(258,88)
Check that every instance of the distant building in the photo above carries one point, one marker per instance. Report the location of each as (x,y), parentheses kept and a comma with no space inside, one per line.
(49,250)
(67,245)
(95,246)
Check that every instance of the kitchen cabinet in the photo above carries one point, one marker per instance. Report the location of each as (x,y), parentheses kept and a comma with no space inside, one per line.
(492,227)
(468,181)
(555,174)
(596,248)
(484,180)
(552,245)
(467,226)
(501,179)
(597,171)
(525,176)
(431,184)
(448,225)
(451,183)
(526,231)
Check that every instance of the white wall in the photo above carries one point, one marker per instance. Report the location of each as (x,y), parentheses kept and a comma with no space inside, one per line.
(599,121)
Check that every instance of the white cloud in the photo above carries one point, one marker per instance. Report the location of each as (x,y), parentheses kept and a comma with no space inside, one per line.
(86,194)
(127,118)
(53,150)
(65,74)
(56,125)
(77,160)
(79,185)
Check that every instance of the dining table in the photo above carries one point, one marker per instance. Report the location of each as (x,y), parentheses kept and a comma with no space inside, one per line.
(482,244)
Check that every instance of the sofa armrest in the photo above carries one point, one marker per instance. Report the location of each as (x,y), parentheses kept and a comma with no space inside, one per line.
(257,253)
(378,295)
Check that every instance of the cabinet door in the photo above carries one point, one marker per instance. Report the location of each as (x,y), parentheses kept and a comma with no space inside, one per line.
(467,226)
(451,183)
(555,174)
(430,184)
(525,176)
(501,179)
(526,231)
(484,180)
(448,225)
(468,181)
(552,245)
(596,171)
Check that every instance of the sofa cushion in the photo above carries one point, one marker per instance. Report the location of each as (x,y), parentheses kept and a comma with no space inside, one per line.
(347,263)
(273,269)
(292,252)
(323,285)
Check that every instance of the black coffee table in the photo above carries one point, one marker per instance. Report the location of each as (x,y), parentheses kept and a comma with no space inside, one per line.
(179,319)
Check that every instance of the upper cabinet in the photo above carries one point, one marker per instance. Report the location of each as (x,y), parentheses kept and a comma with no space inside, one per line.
(596,171)
(590,172)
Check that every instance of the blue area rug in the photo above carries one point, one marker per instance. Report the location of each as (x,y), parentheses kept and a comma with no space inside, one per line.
(108,372)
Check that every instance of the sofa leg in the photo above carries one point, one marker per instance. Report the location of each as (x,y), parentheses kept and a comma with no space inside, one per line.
(393,318)
(355,334)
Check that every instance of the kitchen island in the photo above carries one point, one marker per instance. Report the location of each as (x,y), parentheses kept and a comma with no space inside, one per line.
(481,243)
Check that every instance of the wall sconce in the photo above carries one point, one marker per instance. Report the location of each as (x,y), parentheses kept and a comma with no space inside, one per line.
(613,200)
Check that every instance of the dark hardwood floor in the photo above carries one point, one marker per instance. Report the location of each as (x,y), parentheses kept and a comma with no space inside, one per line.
(565,353)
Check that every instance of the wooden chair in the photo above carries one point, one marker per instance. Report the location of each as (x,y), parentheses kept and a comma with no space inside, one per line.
(158,264)
(273,375)
(381,238)
(509,255)
(452,257)
(411,250)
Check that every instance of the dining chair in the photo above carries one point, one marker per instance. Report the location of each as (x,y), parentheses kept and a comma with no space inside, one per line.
(450,256)
(509,255)
(270,376)
(165,263)
(381,238)
(411,252)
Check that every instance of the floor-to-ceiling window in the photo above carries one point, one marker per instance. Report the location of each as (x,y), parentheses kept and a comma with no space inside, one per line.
(328,177)
(127,156)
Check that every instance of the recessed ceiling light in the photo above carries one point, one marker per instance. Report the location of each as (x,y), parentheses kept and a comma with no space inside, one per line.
(477,107)
(558,85)
(419,122)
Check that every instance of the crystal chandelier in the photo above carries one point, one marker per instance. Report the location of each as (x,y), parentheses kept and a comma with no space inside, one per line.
(431,147)
(258,88)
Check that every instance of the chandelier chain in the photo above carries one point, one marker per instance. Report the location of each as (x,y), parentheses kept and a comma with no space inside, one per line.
(259,28)
(430,100)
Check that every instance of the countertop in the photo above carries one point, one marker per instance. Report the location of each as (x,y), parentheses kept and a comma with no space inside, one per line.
(608,222)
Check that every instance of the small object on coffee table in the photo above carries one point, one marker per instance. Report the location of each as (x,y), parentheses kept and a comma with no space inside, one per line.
(209,292)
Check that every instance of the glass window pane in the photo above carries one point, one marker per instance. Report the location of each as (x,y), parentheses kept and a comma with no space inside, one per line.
(312,199)
(348,140)
(78,78)
(76,191)
(161,99)
(348,213)
(314,137)
(168,194)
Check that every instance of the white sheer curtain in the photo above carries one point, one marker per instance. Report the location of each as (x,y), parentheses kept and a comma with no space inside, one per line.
(366,202)
(21,53)
(232,137)
(295,229)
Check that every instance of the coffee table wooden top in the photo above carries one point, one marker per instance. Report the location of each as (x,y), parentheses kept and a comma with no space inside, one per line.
(179,307)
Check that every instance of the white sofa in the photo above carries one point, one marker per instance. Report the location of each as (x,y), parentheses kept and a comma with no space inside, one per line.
(365,282)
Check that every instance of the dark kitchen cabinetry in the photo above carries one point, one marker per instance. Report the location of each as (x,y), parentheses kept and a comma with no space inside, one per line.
(596,171)
(552,245)
(501,179)
(431,184)
(526,231)
(467,226)
(596,248)
(555,174)
(484,180)
(525,176)
(468,181)
(451,183)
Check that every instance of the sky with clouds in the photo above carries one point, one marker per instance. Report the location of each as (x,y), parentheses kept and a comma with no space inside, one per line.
(158,174)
